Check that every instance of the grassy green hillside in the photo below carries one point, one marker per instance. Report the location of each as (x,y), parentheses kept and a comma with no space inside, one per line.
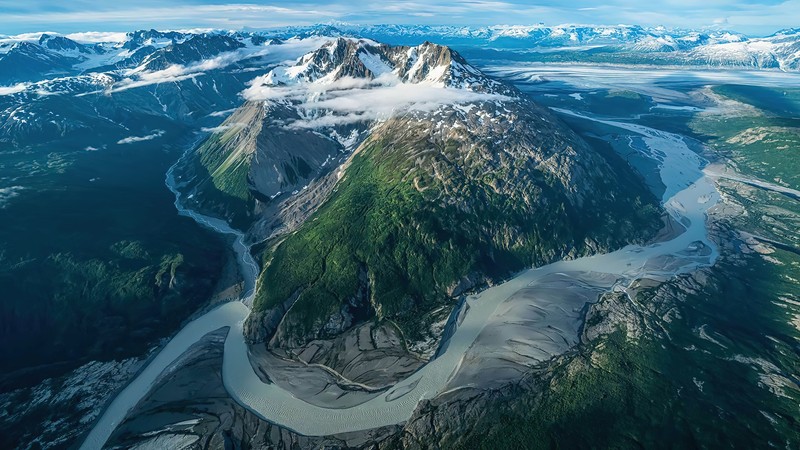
(407,238)
(673,389)
(224,186)
(762,143)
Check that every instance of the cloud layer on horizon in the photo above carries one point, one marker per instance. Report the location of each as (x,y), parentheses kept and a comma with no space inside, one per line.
(754,17)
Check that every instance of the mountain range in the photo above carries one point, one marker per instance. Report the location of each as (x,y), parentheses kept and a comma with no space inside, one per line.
(376,179)
(40,56)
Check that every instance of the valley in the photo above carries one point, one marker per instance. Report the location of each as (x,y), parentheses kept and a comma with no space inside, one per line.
(537,246)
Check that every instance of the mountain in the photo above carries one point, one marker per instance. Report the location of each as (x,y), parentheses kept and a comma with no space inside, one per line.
(242,159)
(388,181)
(39,57)
(624,44)
(540,36)
(62,44)
(778,51)
(152,38)
(149,55)
(25,61)
(379,185)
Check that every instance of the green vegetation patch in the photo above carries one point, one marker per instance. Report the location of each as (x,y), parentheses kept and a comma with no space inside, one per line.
(95,263)
(225,187)
(672,389)
(762,144)
(408,239)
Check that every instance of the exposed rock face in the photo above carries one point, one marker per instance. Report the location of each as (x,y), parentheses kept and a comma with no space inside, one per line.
(172,418)
(339,373)
(360,59)
(257,170)
(56,412)
(62,43)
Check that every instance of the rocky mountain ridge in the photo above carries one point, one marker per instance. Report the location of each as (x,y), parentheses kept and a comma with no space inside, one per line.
(308,134)
(638,45)
(42,56)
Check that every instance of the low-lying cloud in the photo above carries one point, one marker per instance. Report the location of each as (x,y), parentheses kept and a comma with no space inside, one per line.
(135,139)
(91,37)
(352,100)
(176,72)
(222,128)
(15,89)
(267,54)
(222,113)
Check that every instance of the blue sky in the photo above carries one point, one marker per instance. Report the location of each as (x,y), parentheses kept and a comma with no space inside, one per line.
(752,17)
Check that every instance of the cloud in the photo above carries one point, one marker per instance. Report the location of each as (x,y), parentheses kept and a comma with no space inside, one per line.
(268,54)
(222,113)
(31,36)
(331,119)
(129,14)
(351,100)
(10,90)
(177,72)
(90,37)
(221,128)
(7,193)
(134,139)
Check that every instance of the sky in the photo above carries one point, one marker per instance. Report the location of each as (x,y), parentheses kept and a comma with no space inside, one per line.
(759,17)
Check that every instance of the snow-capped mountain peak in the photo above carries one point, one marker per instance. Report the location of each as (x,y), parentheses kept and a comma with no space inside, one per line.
(351,58)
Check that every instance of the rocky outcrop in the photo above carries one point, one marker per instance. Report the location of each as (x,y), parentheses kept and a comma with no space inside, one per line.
(262,325)
(252,164)
(171,418)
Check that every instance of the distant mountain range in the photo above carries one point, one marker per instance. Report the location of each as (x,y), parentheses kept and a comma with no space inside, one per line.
(220,64)
(41,56)
(613,44)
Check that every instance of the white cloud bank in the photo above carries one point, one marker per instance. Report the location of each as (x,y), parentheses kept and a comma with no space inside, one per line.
(134,139)
(10,90)
(267,54)
(93,37)
(138,77)
(350,100)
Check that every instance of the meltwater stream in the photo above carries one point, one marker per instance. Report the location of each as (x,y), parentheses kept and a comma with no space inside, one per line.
(688,196)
